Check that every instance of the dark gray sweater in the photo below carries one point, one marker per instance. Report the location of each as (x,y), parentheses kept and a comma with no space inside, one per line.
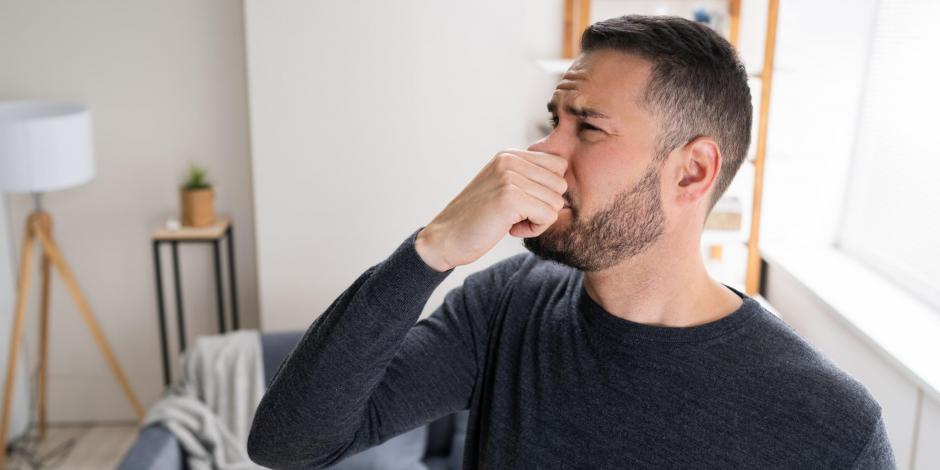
(552,380)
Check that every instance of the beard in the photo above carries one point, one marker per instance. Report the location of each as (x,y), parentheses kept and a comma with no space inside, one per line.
(630,224)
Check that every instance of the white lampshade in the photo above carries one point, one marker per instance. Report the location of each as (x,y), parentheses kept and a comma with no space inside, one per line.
(44,146)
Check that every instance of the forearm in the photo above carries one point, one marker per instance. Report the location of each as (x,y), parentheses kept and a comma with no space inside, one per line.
(320,395)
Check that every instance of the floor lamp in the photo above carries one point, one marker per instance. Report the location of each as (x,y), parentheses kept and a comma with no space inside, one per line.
(45,147)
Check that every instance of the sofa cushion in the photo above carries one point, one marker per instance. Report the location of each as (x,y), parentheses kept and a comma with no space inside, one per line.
(402,452)
(440,432)
(458,439)
(274,349)
(156,448)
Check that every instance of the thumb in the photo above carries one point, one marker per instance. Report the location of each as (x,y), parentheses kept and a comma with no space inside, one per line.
(526,228)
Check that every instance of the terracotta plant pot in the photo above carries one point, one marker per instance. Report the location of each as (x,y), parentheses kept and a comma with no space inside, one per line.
(198,207)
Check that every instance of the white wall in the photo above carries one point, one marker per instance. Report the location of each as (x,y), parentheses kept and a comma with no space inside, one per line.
(367,119)
(165,82)
(19,411)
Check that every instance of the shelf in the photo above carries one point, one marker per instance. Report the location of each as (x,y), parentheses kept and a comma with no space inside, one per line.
(554,66)
(723,237)
(211,232)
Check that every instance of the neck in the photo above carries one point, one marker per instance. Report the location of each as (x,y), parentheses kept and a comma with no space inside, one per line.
(666,285)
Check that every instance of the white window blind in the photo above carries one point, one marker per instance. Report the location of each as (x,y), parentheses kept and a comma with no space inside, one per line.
(891,216)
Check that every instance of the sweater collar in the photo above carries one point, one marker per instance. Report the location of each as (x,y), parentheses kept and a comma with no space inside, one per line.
(619,329)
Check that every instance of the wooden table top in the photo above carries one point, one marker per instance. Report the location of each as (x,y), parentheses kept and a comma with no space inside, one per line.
(211,232)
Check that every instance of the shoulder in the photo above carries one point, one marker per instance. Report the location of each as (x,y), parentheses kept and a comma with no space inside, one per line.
(790,357)
(810,390)
(497,274)
(523,273)
(796,358)
(523,266)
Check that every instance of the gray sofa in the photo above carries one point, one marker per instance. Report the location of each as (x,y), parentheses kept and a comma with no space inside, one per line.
(438,445)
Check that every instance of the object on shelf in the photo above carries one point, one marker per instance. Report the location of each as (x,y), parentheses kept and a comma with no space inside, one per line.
(197,198)
(726,215)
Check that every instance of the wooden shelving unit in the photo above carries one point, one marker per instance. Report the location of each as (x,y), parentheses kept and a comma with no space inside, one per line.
(754,274)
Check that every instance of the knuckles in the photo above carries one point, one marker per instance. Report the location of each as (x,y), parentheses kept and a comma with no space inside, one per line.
(508,193)
(503,161)
(506,178)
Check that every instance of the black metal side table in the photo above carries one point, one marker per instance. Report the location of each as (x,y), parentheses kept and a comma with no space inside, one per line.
(215,233)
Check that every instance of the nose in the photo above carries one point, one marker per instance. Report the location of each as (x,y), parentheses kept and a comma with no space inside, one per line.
(541,145)
(552,143)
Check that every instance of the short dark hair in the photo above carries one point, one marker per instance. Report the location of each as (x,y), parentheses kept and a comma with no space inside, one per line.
(698,85)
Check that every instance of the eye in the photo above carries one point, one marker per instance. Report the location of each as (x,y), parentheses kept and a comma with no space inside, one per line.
(582,126)
(587,127)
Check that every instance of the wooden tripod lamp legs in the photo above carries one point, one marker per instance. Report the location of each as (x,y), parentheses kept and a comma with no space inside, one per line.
(39,226)
(16,335)
(43,344)
(53,252)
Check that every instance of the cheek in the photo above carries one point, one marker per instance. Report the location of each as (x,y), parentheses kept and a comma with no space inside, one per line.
(603,172)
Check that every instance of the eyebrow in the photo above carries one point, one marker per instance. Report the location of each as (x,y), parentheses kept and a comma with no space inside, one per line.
(580,112)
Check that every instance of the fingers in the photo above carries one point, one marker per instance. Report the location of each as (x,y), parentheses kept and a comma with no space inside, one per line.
(523,230)
(527,228)
(536,169)
(536,182)
(534,189)
(553,163)
(539,213)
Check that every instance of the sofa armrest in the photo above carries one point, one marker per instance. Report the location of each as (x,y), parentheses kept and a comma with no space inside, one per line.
(274,349)
(156,448)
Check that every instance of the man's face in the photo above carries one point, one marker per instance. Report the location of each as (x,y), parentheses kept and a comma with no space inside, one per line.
(609,139)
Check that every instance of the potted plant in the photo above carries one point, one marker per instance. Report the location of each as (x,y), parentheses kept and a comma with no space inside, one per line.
(197,198)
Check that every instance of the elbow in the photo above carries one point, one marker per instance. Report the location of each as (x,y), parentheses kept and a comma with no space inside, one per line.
(272,449)
(259,448)
(262,446)
(266,454)
(276,441)
(271,457)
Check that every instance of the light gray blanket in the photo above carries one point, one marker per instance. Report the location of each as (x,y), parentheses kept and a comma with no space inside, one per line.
(210,408)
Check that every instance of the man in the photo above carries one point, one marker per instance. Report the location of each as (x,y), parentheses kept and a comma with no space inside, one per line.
(608,347)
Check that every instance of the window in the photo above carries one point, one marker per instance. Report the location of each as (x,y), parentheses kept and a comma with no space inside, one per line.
(891,218)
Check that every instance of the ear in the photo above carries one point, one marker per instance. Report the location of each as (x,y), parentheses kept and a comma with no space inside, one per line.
(699,165)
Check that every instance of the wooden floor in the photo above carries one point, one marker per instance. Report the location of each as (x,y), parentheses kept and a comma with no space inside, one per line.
(97,446)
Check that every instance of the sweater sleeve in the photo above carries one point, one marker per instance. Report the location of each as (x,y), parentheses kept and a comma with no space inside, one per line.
(877,454)
(365,371)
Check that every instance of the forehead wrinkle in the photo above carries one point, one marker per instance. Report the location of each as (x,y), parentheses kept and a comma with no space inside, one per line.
(570,79)
(576,107)
(574,74)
